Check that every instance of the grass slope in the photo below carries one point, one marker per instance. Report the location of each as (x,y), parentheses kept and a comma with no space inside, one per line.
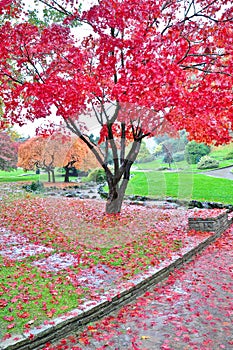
(182,186)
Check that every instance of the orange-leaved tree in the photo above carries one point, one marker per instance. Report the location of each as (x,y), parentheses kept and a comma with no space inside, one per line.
(53,151)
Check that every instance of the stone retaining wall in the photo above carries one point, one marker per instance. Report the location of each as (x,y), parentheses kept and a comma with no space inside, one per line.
(216,224)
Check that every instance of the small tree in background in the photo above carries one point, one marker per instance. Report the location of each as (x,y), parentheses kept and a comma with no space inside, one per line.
(174,144)
(168,155)
(79,157)
(194,151)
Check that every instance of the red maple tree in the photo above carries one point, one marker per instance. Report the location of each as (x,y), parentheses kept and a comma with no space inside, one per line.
(8,152)
(147,67)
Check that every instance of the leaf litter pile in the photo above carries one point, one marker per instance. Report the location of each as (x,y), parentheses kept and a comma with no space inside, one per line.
(57,253)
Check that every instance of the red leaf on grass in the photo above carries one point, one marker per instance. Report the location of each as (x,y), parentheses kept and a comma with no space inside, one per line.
(23,315)
(51,312)
(8,318)
(3,303)
(10,326)
(7,336)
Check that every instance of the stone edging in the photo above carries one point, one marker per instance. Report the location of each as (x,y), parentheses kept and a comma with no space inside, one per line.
(92,311)
(215,224)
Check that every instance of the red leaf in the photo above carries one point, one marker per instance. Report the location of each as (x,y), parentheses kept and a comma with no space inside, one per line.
(8,318)
(11,325)
(23,315)
(3,303)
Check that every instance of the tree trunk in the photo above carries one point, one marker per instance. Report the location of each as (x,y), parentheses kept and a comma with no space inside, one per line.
(116,197)
(66,179)
(53,176)
(49,177)
(114,206)
(117,188)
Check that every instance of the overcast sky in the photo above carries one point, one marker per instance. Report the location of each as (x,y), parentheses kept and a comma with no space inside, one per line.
(84,30)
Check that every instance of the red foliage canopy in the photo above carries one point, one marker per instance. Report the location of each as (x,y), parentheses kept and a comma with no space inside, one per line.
(159,61)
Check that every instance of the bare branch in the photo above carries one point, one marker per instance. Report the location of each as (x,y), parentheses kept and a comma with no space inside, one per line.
(197,67)
(98,116)
(59,9)
(12,78)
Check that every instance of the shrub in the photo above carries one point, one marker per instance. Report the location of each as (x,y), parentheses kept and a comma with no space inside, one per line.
(97,175)
(194,151)
(207,162)
(163,168)
(229,155)
(103,194)
(34,187)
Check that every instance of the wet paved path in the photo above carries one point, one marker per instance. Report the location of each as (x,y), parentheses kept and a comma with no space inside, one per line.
(223,173)
(191,310)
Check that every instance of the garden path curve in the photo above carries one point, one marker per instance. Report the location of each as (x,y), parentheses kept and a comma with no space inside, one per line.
(222,173)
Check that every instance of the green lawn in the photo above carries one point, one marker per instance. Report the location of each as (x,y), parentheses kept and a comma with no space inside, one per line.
(221,152)
(182,186)
(18,175)
(21,175)
(158,164)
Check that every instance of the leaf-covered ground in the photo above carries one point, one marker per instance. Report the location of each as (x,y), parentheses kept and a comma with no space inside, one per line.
(56,253)
(191,310)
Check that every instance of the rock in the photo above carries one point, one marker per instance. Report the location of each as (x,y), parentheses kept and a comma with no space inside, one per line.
(51,194)
(70,194)
(137,203)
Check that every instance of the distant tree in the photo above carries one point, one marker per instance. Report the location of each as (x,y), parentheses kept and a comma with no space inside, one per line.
(93,138)
(55,151)
(194,151)
(31,153)
(168,155)
(8,152)
(174,144)
(78,156)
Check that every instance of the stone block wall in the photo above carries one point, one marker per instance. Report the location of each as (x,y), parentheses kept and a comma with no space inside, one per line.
(216,224)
